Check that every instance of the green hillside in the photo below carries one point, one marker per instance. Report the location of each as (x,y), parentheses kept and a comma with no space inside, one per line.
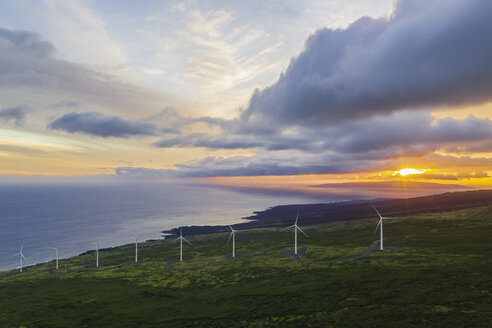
(441,279)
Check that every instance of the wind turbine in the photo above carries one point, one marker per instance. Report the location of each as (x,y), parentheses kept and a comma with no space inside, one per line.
(21,256)
(97,254)
(233,236)
(380,223)
(56,249)
(181,238)
(136,248)
(295,226)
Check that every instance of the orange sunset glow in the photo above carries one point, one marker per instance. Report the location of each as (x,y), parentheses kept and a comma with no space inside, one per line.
(209,116)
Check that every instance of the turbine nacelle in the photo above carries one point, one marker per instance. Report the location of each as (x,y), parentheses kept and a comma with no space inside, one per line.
(296,227)
(233,232)
(181,237)
(21,256)
(380,226)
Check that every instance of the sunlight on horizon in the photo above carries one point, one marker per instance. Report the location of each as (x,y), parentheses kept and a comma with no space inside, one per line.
(408,171)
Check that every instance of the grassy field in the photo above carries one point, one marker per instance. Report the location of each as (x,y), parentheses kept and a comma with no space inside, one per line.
(443,279)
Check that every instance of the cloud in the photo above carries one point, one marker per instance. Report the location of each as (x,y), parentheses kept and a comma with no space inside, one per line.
(26,60)
(266,164)
(361,98)
(403,130)
(96,124)
(140,172)
(260,165)
(202,140)
(21,150)
(15,114)
(67,104)
(447,176)
(425,54)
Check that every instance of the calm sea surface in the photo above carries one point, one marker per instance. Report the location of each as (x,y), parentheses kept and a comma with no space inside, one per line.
(70,216)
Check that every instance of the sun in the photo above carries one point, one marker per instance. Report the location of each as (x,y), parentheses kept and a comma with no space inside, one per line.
(408,171)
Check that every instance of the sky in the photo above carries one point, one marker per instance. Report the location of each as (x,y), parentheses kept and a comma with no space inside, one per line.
(294,92)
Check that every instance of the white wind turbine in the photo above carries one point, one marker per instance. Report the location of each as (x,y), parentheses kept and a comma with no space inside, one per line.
(296,227)
(56,249)
(136,248)
(233,236)
(97,254)
(21,256)
(181,238)
(380,223)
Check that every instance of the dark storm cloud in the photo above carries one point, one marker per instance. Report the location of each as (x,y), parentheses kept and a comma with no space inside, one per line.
(96,124)
(428,53)
(14,114)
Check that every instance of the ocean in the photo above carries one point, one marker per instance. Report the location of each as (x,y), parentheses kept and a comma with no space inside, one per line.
(71,216)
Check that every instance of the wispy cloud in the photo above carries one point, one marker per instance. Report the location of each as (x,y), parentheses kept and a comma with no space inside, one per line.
(14,114)
(26,60)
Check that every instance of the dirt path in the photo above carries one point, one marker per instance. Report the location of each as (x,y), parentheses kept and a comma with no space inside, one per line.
(373,248)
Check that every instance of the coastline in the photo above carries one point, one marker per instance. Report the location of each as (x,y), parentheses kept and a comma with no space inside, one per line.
(311,214)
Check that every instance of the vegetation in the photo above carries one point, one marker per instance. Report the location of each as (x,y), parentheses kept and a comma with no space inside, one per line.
(442,279)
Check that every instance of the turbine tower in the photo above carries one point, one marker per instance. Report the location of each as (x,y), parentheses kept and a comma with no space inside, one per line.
(97,254)
(296,227)
(233,236)
(380,223)
(181,238)
(56,249)
(21,256)
(136,249)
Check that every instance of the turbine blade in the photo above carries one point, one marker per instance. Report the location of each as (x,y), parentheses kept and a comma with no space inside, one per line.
(297,216)
(302,232)
(15,254)
(187,241)
(379,222)
(23,256)
(22,247)
(292,226)
(377,212)
(230,236)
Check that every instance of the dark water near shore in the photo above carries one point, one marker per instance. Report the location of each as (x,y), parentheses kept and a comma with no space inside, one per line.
(70,216)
